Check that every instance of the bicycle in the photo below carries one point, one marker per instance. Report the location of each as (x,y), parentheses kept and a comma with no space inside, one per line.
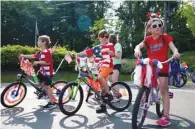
(149,92)
(73,89)
(177,77)
(15,92)
(185,70)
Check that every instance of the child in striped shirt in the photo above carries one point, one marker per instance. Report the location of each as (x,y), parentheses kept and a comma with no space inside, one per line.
(45,61)
(104,64)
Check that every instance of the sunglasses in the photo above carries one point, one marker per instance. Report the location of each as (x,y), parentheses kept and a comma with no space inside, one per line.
(156,25)
(104,36)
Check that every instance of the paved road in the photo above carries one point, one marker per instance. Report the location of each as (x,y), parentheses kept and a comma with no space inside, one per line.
(29,114)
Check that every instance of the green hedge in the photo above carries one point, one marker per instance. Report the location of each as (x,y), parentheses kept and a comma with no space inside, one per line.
(9,58)
(10,53)
(189,58)
(128,65)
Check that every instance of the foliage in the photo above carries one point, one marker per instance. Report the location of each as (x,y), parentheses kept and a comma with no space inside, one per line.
(188,11)
(58,19)
(10,53)
(189,58)
(98,25)
(128,66)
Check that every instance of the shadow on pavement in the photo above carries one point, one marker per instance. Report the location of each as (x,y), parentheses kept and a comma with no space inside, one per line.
(38,119)
(78,120)
(122,120)
(11,111)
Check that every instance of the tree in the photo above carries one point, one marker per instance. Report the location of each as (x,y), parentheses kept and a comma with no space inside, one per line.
(188,11)
(58,19)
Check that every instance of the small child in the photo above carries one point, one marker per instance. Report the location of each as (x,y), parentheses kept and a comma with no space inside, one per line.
(105,66)
(157,45)
(45,61)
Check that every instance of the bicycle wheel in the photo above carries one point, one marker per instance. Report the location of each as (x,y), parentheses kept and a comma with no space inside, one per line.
(159,106)
(71,94)
(122,96)
(12,96)
(56,90)
(182,80)
(141,102)
(132,76)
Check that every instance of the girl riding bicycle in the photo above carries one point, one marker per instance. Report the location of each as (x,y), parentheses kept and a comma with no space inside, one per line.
(157,44)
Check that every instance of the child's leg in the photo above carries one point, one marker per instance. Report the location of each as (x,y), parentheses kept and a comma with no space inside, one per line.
(165,120)
(115,76)
(165,94)
(49,92)
(103,74)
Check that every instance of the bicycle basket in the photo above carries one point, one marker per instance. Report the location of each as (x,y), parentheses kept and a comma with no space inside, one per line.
(26,66)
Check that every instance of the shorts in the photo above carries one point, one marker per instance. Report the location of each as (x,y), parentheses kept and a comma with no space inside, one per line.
(117,67)
(44,79)
(163,74)
(105,72)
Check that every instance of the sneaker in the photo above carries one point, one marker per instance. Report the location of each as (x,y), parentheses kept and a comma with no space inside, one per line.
(101,109)
(49,105)
(107,98)
(164,121)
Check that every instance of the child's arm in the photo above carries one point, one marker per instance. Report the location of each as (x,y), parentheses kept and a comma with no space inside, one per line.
(83,53)
(174,50)
(138,49)
(41,63)
(118,51)
(88,53)
(28,56)
(117,54)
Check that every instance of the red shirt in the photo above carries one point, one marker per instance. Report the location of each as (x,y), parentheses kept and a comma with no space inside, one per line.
(46,56)
(158,49)
(106,60)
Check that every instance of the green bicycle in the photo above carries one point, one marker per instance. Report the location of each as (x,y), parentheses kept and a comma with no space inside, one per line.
(73,94)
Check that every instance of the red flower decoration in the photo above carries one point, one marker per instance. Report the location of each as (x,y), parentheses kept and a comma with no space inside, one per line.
(148,15)
(158,13)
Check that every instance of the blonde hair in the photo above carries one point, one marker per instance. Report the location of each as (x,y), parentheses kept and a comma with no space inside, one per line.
(45,38)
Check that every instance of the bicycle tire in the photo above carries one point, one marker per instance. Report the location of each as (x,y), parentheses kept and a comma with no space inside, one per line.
(7,89)
(137,105)
(61,104)
(55,84)
(127,87)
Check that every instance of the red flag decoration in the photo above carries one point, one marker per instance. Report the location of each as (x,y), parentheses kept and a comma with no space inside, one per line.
(26,66)
(68,58)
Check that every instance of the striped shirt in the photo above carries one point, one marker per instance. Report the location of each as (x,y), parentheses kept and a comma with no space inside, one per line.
(46,56)
(106,60)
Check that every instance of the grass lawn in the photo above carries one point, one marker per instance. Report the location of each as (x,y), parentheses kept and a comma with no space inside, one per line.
(10,76)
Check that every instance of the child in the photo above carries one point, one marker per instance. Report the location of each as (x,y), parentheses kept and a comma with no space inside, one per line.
(105,66)
(117,58)
(45,72)
(157,45)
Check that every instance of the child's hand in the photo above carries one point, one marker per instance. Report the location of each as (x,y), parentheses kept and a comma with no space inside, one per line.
(35,63)
(176,55)
(137,54)
(104,50)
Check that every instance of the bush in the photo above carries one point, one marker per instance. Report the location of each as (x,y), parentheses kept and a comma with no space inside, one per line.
(189,58)
(10,53)
(128,66)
